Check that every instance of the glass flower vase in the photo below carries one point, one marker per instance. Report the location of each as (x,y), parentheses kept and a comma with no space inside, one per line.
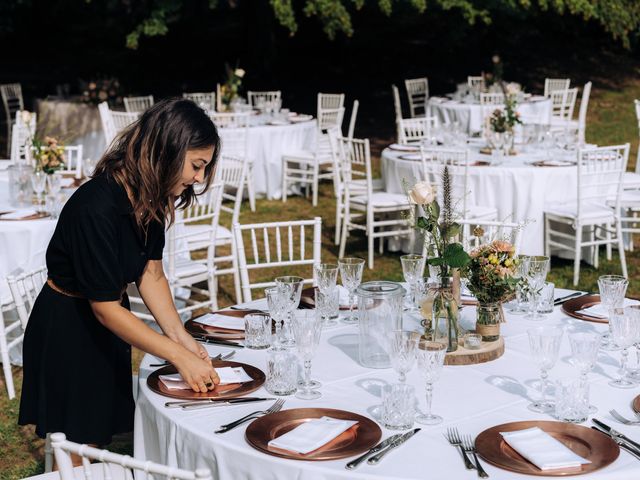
(488,319)
(445,316)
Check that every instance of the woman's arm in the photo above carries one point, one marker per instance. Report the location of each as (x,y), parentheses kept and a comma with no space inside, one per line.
(196,371)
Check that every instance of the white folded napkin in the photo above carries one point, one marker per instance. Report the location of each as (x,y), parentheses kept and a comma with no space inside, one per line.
(598,310)
(221,321)
(541,449)
(227,375)
(311,435)
(18,214)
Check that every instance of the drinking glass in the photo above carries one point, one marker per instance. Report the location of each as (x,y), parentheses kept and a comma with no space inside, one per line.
(402,351)
(39,182)
(326,276)
(257,331)
(282,372)
(430,361)
(536,275)
(625,331)
(291,287)
(328,304)
(351,269)
(276,301)
(522,288)
(307,327)
(584,355)
(612,291)
(398,409)
(54,183)
(545,345)
(572,400)
(413,270)
(546,302)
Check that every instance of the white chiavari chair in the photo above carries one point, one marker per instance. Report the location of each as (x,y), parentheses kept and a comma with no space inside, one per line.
(12,102)
(480,232)
(330,101)
(138,104)
(582,114)
(114,122)
(397,107)
(219,105)
(563,103)
(352,119)
(329,118)
(267,100)
(597,207)
(418,94)
(22,134)
(276,245)
(73,156)
(382,210)
(416,130)
(476,83)
(554,84)
(206,100)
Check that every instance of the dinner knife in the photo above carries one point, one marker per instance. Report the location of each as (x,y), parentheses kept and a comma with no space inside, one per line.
(384,444)
(615,433)
(561,300)
(619,442)
(215,341)
(221,401)
(396,443)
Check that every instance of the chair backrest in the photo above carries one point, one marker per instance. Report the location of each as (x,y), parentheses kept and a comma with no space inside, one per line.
(12,100)
(553,84)
(114,465)
(355,157)
(206,100)
(480,232)
(24,289)
(475,82)
(230,119)
(233,129)
(352,120)
(563,103)
(330,118)
(265,100)
(330,101)
(457,160)
(231,171)
(73,155)
(417,93)
(114,122)
(21,136)
(276,245)
(600,173)
(416,129)
(138,104)
(582,113)
(491,98)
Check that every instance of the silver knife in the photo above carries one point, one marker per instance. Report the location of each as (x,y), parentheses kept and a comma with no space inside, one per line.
(384,444)
(216,341)
(561,300)
(215,401)
(619,442)
(615,433)
(396,443)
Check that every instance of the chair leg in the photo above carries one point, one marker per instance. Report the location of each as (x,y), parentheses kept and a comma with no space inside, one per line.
(338,218)
(251,192)
(578,252)
(370,237)
(314,185)
(609,241)
(623,257)
(236,273)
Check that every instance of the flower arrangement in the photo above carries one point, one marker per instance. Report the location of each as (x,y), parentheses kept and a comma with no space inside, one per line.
(502,121)
(231,88)
(491,272)
(48,155)
(102,90)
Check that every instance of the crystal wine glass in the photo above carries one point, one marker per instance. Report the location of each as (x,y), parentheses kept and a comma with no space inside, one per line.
(39,182)
(55,184)
(430,361)
(612,291)
(277,301)
(535,276)
(351,269)
(326,276)
(545,346)
(413,270)
(625,331)
(402,351)
(307,327)
(584,355)
(291,287)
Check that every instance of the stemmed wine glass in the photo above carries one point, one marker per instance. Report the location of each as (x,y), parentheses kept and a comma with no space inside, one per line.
(545,346)
(277,301)
(307,327)
(291,287)
(326,276)
(351,269)
(39,182)
(584,354)
(402,351)
(430,361)
(612,291)
(625,331)
(413,270)
(535,276)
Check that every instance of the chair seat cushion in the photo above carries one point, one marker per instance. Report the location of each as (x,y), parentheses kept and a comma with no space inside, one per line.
(383,200)
(590,211)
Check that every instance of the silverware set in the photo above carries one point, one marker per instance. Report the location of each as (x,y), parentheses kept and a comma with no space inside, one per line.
(622,440)
(375,454)
(212,402)
(276,407)
(220,356)
(216,341)
(561,300)
(465,444)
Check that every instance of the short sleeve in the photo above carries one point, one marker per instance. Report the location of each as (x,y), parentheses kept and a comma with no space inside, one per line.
(93,240)
(158,245)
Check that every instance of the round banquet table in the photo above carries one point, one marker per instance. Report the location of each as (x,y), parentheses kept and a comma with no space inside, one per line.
(536,109)
(519,190)
(471,398)
(266,145)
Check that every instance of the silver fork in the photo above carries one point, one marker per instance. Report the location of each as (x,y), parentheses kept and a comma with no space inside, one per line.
(276,407)
(469,447)
(622,419)
(453,437)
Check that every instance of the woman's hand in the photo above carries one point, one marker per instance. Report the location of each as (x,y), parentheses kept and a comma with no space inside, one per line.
(196,371)
(188,342)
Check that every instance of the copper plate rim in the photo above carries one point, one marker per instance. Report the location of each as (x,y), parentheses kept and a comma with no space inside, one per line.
(155,385)
(573,306)
(259,433)
(636,404)
(195,328)
(36,216)
(490,446)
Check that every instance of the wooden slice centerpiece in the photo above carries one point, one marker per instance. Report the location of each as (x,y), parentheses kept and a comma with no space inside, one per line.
(464,356)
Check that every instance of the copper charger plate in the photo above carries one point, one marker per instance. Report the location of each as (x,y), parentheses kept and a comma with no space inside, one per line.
(573,306)
(480,163)
(36,216)
(196,328)
(231,390)
(358,439)
(596,447)
(636,404)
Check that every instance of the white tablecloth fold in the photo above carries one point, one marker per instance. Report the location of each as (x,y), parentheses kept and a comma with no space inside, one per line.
(312,435)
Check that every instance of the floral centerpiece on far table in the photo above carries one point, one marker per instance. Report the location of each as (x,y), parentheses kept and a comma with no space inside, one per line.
(491,278)
(502,121)
(48,155)
(230,90)
(98,90)
(440,229)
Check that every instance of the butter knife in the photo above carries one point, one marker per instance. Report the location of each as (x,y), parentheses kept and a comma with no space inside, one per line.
(382,445)
(215,401)
(615,433)
(396,443)
(619,442)
(215,341)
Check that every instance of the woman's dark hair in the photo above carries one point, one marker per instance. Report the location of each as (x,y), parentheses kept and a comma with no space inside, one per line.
(147,157)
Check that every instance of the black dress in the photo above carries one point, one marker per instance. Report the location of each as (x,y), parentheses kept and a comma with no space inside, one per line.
(77,373)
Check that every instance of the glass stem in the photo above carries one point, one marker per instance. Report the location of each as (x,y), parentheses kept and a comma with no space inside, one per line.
(351,300)
(543,378)
(307,374)
(278,320)
(412,287)
(429,397)
(623,364)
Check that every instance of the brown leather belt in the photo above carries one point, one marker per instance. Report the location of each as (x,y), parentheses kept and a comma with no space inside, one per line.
(62,291)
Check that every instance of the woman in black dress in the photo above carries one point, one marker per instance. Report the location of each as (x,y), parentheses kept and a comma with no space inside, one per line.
(77,354)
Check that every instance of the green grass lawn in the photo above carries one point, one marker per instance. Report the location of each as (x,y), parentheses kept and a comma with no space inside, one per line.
(611,121)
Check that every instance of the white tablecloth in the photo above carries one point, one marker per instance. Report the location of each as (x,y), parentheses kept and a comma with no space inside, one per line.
(472,398)
(519,190)
(469,115)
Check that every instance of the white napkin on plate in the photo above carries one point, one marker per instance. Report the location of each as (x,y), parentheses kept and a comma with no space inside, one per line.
(598,310)
(227,375)
(311,435)
(221,321)
(541,449)
(18,214)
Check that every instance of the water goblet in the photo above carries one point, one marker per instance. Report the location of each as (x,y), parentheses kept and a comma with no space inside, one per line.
(544,343)
(430,361)
(38,183)
(536,275)
(584,354)
(625,331)
(413,270)
(291,287)
(612,290)
(328,304)
(276,302)
(325,275)
(307,327)
(351,269)
(402,351)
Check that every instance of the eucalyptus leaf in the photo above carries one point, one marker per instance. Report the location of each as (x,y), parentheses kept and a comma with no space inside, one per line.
(455,256)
